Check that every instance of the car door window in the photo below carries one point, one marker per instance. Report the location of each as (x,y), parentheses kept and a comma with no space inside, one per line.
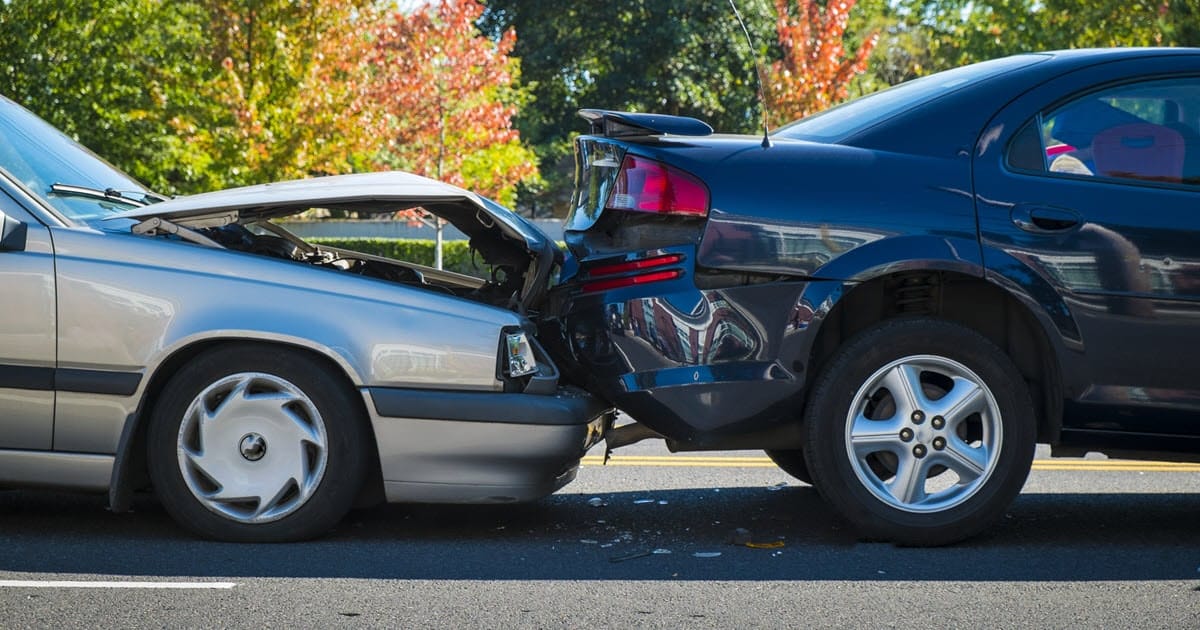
(1147,131)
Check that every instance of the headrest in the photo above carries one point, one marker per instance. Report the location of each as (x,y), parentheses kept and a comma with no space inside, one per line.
(1078,124)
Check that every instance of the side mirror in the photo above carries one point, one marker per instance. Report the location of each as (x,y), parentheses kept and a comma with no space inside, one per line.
(12,234)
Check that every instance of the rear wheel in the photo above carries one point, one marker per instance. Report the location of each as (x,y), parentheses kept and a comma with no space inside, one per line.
(920,431)
(257,444)
(792,463)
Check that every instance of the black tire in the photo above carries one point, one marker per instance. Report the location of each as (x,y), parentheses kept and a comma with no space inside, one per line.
(791,462)
(297,416)
(986,445)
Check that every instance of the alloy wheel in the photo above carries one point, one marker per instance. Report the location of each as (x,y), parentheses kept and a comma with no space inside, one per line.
(923,433)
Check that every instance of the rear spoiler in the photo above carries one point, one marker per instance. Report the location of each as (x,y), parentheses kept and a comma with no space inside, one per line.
(610,124)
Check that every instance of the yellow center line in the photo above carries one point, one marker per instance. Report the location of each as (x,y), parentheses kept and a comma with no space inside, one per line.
(705,461)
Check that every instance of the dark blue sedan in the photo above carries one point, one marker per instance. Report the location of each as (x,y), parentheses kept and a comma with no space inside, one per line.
(899,297)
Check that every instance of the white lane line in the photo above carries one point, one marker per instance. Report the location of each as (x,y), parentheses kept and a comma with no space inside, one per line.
(82,584)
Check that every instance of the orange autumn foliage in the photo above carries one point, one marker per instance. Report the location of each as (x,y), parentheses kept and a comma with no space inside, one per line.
(815,69)
(448,98)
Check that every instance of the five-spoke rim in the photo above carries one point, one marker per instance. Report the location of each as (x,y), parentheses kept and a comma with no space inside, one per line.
(923,434)
(252,447)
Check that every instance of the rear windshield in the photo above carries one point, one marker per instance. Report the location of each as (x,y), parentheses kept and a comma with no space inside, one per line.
(849,118)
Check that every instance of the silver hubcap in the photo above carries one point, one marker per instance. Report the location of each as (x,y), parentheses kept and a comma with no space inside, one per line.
(923,434)
(252,447)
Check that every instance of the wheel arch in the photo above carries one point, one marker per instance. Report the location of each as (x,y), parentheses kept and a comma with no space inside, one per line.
(977,303)
(130,471)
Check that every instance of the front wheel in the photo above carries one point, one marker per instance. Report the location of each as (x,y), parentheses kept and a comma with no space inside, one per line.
(257,444)
(920,431)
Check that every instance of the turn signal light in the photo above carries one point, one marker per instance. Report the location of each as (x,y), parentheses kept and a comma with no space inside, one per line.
(519,355)
(645,185)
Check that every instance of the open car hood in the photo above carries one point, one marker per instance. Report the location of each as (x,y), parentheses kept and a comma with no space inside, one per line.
(387,192)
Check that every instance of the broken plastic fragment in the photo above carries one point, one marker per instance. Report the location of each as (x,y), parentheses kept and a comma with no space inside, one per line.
(588,541)
(779,486)
(706,554)
(630,556)
(661,552)
(642,501)
(596,502)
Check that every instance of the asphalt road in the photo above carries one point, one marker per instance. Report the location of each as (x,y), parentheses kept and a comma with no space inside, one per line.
(1088,544)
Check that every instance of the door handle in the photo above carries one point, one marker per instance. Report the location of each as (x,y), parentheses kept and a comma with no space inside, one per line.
(1043,219)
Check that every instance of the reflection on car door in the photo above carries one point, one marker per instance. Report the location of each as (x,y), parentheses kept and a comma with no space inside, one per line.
(27,337)
(1117,233)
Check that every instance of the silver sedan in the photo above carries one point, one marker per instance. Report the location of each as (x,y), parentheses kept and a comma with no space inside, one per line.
(259,384)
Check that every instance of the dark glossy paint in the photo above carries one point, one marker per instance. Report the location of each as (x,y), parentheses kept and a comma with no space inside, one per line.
(724,353)
(1126,265)
(615,124)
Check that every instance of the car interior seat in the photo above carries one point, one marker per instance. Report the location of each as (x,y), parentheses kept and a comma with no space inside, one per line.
(1140,151)
(1191,141)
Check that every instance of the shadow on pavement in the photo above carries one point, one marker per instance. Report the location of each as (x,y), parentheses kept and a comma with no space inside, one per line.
(1046,537)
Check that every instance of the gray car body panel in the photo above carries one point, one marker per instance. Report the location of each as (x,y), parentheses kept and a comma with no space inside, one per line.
(126,304)
(125,301)
(28,332)
(457,461)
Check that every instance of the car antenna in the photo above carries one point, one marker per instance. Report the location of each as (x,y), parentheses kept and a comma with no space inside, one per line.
(762,99)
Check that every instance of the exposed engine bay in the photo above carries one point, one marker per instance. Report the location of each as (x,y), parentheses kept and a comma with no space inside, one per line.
(501,288)
(514,260)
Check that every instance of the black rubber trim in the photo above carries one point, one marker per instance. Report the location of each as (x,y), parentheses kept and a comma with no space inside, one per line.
(569,406)
(23,377)
(97,382)
(69,380)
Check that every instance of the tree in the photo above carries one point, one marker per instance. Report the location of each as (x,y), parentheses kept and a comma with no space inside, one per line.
(270,110)
(440,99)
(112,75)
(958,32)
(684,58)
(448,97)
(815,70)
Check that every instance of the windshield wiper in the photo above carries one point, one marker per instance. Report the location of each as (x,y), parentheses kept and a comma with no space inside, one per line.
(108,194)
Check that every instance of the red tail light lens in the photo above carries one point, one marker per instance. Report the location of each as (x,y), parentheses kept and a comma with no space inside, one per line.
(617,283)
(656,264)
(634,265)
(647,185)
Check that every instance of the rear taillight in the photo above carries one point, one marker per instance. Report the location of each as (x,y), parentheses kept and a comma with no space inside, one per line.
(644,270)
(645,185)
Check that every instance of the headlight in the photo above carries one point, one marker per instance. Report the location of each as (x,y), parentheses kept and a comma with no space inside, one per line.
(519,353)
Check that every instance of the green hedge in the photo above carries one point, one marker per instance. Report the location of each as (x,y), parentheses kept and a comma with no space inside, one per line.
(456,255)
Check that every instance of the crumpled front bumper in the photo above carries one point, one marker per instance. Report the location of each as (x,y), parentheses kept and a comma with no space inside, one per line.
(481,447)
